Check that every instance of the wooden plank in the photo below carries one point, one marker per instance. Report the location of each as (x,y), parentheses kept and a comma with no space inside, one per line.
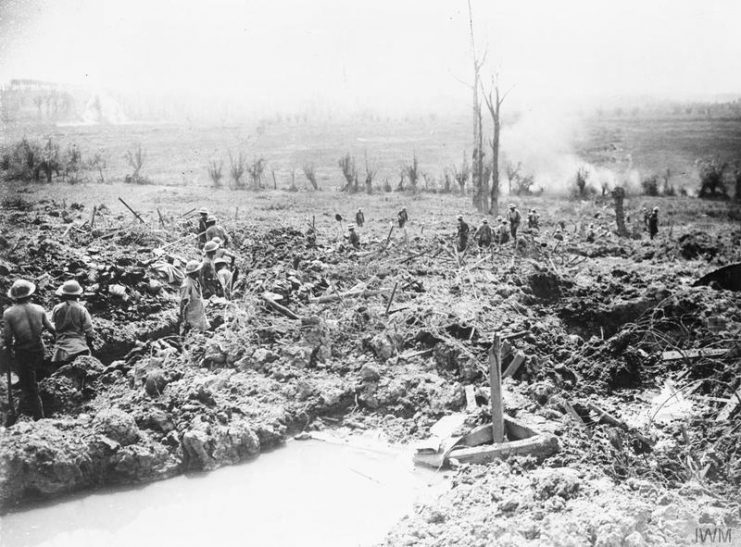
(391,298)
(471,405)
(612,420)
(571,413)
(514,365)
(539,446)
(727,410)
(692,354)
(495,383)
(277,307)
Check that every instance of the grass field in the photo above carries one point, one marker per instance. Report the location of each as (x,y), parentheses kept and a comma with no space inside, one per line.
(631,148)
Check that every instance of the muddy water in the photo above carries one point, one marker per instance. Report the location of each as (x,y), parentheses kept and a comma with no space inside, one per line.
(307,493)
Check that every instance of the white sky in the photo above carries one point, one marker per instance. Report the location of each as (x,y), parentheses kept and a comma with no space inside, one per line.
(379,53)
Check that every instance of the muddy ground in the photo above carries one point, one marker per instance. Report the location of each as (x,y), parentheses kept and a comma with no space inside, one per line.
(596,317)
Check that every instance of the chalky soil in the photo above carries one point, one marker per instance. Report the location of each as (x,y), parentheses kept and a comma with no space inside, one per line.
(308,493)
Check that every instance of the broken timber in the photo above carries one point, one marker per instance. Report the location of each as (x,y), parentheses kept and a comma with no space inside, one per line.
(730,407)
(130,209)
(692,354)
(495,383)
(365,293)
(612,420)
(277,307)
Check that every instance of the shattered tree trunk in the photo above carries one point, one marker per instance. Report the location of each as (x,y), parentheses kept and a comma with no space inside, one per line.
(480,197)
(618,194)
(494,105)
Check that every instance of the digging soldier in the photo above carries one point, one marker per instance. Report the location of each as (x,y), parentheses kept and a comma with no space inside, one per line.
(221,252)
(533,221)
(225,275)
(402,218)
(210,284)
(192,310)
(359,218)
(590,234)
(483,235)
(202,227)
(503,232)
(214,230)
(514,221)
(463,231)
(353,236)
(653,223)
(73,324)
(24,323)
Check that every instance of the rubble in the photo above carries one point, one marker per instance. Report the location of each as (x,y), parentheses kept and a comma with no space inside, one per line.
(314,339)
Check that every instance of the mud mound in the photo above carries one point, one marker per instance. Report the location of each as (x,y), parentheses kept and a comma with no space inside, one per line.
(698,245)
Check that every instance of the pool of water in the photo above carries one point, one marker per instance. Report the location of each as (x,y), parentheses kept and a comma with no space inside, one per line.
(310,492)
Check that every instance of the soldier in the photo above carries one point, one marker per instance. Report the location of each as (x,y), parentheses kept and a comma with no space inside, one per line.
(463,231)
(653,223)
(209,282)
(359,218)
(224,275)
(353,237)
(514,220)
(214,230)
(503,235)
(533,220)
(192,311)
(483,235)
(73,324)
(221,252)
(202,226)
(590,234)
(24,323)
(403,218)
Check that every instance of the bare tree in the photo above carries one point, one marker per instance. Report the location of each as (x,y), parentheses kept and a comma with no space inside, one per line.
(411,171)
(350,172)
(255,170)
(310,174)
(370,174)
(512,171)
(494,102)
(215,172)
(480,184)
(135,159)
(461,175)
(237,168)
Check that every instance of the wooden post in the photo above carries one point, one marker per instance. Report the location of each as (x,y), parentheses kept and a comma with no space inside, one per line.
(162,220)
(92,216)
(275,182)
(236,213)
(495,381)
(391,298)
(130,209)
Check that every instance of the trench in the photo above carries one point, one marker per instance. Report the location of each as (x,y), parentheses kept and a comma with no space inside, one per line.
(314,492)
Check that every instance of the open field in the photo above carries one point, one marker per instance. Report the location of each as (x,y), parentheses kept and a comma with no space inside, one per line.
(633,148)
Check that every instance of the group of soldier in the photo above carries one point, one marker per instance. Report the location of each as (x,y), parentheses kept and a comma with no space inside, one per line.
(24,322)
(213,275)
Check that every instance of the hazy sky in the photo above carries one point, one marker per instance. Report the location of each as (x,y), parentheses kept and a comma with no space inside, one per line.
(406,53)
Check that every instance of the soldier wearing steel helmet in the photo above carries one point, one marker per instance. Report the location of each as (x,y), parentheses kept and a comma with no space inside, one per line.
(653,223)
(73,324)
(24,323)
(192,314)
(210,285)
(202,226)
(463,231)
